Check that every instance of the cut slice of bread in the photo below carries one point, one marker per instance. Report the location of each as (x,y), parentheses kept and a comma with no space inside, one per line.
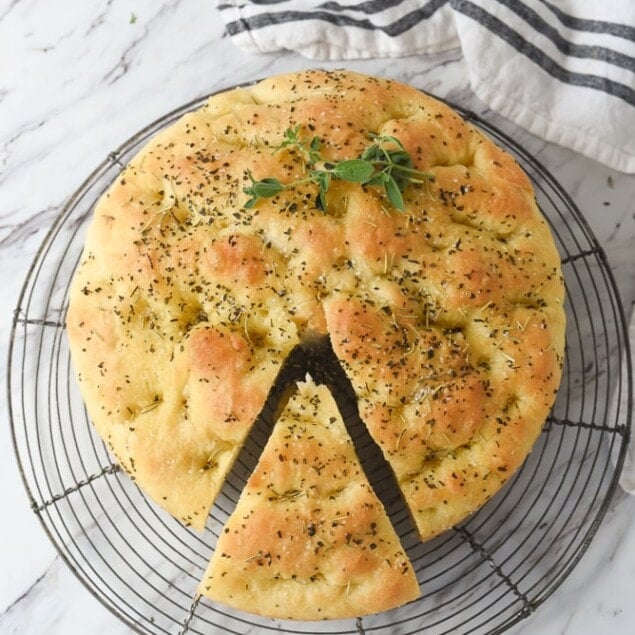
(309,539)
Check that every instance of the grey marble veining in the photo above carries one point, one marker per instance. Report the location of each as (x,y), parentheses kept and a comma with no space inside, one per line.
(81,78)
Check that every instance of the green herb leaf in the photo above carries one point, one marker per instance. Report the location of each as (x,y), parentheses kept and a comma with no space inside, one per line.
(316,144)
(400,158)
(400,171)
(380,179)
(265,189)
(353,170)
(372,153)
(290,138)
(382,139)
(393,192)
(323,180)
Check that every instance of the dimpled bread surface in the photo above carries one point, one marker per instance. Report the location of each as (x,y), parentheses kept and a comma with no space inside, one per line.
(308,538)
(447,316)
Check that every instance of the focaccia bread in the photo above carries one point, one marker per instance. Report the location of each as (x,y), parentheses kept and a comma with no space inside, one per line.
(446,316)
(308,538)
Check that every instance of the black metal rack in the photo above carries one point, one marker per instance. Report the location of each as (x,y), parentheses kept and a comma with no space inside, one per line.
(483,576)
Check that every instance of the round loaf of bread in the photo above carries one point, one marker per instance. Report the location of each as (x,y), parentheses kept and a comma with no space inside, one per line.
(446,315)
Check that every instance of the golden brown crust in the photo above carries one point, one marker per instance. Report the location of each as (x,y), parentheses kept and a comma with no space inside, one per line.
(447,317)
(308,538)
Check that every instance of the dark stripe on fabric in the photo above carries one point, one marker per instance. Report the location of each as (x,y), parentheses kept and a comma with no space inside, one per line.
(396,28)
(592,26)
(369,8)
(514,39)
(237,26)
(583,51)
(230,6)
(224,6)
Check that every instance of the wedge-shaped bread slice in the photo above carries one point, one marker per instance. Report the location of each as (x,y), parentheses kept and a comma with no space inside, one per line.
(309,539)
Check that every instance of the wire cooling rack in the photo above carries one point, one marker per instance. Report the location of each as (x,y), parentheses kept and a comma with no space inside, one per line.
(483,576)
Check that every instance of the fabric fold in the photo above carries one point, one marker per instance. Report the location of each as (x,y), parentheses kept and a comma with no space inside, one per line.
(565,73)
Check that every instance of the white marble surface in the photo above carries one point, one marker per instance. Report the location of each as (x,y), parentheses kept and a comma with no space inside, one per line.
(76,80)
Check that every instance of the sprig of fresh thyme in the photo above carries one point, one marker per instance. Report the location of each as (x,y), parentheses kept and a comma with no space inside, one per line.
(385,163)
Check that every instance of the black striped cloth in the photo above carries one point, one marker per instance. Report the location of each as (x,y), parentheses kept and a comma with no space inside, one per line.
(562,69)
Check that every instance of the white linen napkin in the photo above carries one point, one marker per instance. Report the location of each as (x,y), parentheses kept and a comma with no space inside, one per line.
(565,71)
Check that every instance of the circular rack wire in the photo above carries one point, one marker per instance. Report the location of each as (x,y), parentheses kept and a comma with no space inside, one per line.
(483,576)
